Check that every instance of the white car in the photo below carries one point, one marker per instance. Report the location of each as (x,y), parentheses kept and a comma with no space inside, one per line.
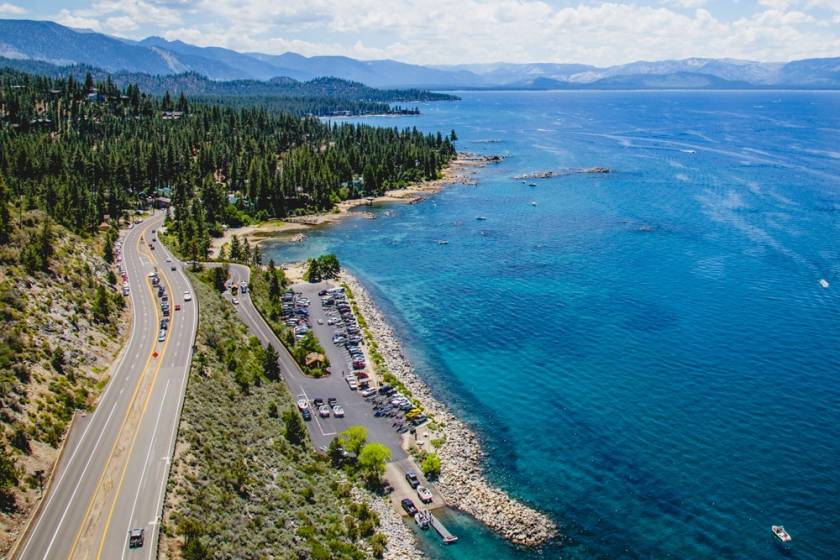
(235,301)
(324,411)
(424,494)
(368,393)
(303,404)
(168,259)
(338,411)
(187,296)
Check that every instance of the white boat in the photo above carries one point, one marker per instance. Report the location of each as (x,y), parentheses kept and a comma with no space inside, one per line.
(480,218)
(532,184)
(780,533)
(442,242)
(824,283)
(533,204)
(423,518)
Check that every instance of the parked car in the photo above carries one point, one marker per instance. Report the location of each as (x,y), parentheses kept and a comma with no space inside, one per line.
(318,402)
(338,411)
(368,393)
(306,414)
(412,479)
(135,538)
(409,506)
(424,494)
(303,404)
(332,401)
(324,411)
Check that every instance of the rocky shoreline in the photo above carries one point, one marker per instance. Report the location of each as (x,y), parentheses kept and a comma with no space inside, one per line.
(461,482)
(402,544)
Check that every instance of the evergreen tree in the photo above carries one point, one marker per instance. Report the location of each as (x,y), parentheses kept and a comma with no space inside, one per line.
(101,305)
(5,218)
(235,250)
(295,430)
(273,281)
(270,365)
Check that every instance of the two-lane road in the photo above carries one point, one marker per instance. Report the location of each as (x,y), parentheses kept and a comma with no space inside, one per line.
(113,471)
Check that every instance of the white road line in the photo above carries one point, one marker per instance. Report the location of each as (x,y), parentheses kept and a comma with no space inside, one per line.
(145,464)
(78,483)
(54,491)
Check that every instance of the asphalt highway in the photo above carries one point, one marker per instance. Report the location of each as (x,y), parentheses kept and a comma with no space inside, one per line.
(113,471)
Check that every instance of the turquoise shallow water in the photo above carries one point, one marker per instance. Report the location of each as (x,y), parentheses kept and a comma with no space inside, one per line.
(648,355)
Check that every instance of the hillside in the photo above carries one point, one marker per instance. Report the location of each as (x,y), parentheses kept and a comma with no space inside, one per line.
(62,324)
(245,482)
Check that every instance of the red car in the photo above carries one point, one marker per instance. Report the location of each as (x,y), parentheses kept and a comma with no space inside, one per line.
(177,307)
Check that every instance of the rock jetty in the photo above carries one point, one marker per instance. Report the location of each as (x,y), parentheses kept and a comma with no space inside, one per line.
(561,172)
(461,482)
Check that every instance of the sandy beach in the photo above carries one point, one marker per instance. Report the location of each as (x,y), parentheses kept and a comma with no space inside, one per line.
(459,171)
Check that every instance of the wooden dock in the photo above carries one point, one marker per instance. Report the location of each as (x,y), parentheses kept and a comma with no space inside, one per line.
(448,538)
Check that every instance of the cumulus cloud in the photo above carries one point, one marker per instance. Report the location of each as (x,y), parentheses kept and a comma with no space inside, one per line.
(65,17)
(442,31)
(11,9)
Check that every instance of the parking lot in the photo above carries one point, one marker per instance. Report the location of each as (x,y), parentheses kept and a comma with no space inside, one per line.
(358,410)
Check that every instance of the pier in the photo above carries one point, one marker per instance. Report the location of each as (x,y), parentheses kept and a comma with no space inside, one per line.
(448,538)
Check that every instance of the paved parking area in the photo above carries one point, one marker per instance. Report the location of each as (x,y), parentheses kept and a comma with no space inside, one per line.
(357,411)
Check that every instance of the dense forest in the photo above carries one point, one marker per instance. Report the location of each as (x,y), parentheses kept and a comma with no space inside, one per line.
(321,96)
(82,151)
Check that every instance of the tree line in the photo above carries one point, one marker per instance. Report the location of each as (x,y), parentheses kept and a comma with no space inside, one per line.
(84,150)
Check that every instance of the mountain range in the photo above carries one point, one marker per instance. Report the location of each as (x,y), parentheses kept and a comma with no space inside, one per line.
(56,44)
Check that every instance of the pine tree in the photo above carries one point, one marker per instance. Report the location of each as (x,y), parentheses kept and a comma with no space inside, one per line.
(5,218)
(101,305)
(235,250)
(270,365)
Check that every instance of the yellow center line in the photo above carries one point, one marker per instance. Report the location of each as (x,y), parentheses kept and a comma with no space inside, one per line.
(125,418)
(142,414)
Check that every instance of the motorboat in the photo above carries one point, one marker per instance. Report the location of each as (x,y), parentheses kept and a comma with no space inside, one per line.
(423,518)
(780,533)
(824,283)
(480,218)
(533,203)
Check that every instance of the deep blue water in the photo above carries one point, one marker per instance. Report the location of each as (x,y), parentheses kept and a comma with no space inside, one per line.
(648,354)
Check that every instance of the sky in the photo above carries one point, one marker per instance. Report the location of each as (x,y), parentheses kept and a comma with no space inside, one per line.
(469,31)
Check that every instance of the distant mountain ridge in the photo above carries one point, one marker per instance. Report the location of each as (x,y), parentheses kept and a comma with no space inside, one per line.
(194,84)
(50,42)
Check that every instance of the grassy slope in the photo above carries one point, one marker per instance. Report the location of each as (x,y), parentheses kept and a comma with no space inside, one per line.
(238,488)
(42,312)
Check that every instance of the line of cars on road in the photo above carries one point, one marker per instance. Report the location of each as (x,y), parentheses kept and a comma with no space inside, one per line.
(165,307)
(123,272)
